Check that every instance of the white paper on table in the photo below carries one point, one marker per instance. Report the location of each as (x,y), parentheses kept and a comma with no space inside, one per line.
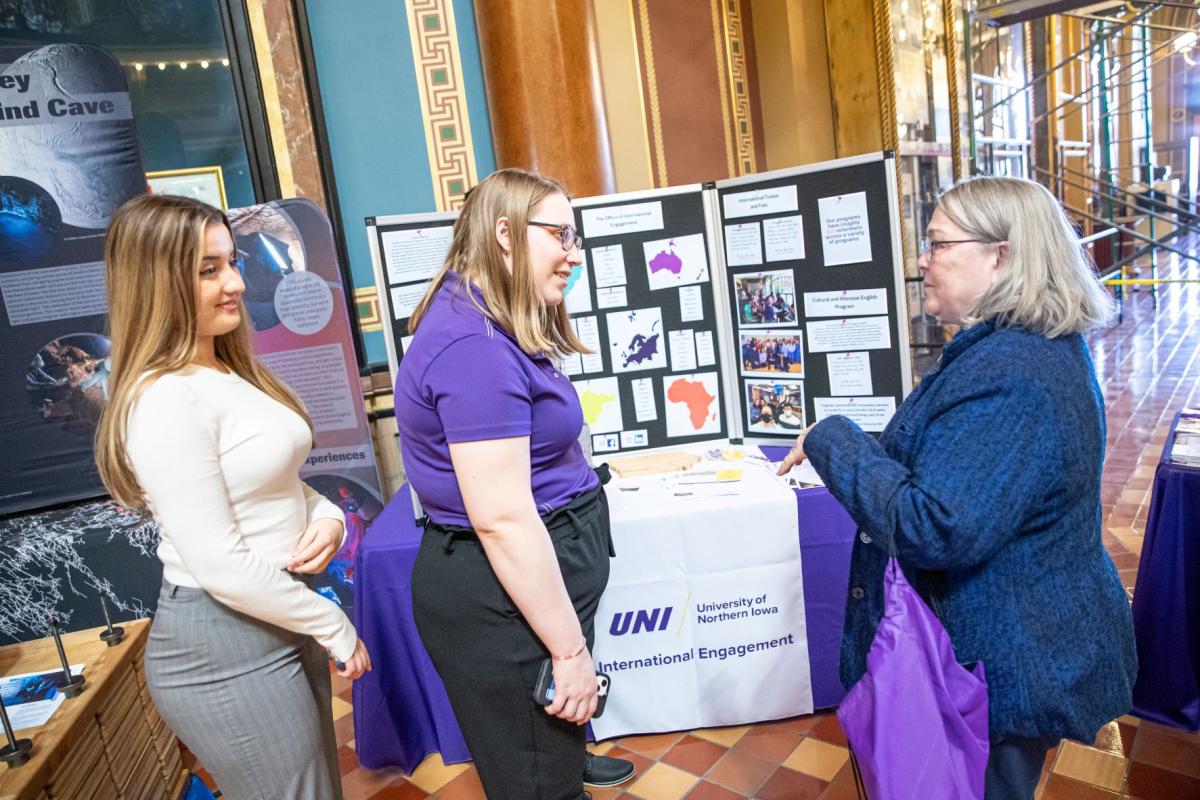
(31,697)
(677,261)
(784,238)
(846,303)
(612,297)
(405,299)
(609,265)
(775,200)
(627,218)
(845,233)
(705,354)
(691,303)
(743,244)
(854,333)
(588,331)
(804,472)
(870,413)
(600,400)
(636,339)
(683,350)
(643,400)
(577,296)
(849,373)
(690,404)
(415,254)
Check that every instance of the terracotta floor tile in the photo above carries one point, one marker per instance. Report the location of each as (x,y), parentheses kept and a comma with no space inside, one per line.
(786,784)
(652,746)
(741,771)
(725,736)
(663,782)
(774,746)
(818,758)
(602,748)
(347,760)
(465,787)
(433,773)
(710,791)
(340,708)
(1059,788)
(1147,782)
(694,755)
(830,730)
(1164,747)
(610,793)
(364,783)
(399,791)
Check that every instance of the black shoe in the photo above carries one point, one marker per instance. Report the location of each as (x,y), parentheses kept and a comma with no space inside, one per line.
(606,771)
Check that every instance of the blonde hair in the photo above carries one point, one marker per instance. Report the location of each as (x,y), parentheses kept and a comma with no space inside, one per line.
(152,259)
(1047,285)
(512,301)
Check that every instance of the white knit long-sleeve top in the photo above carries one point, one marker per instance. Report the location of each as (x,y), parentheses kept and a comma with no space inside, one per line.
(218,461)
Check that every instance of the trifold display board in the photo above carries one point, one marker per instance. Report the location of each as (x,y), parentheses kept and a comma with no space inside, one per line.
(746,308)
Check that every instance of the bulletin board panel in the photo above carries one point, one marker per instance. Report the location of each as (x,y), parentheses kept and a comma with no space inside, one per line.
(407,250)
(651,309)
(815,284)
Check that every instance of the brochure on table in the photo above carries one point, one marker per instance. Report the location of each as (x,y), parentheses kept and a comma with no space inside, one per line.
(746,308)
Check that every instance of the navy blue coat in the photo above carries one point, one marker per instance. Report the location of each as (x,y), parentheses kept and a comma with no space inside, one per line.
(988,481)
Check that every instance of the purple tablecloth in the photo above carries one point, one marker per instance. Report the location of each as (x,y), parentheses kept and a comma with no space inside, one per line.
(401,712)
(1166,600)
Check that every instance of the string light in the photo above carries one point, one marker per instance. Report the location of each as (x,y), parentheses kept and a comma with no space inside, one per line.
(183,65)
(204,64)
(162,65)
(138,67)
(224,62)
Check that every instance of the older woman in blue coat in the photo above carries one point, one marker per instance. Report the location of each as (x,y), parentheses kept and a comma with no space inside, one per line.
(987,480)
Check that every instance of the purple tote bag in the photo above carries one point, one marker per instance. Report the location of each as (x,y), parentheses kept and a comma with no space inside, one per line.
(917,720)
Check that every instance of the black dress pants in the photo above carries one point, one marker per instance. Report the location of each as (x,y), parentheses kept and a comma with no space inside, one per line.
(488,656)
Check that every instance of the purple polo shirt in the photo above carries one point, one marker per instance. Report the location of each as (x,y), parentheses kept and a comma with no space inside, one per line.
(463,379)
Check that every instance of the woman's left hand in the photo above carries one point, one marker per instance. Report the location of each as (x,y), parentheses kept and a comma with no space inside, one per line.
(316,547)
(796,454)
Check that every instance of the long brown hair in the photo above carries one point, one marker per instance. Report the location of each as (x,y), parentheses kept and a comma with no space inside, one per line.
(512,300)
(152,259)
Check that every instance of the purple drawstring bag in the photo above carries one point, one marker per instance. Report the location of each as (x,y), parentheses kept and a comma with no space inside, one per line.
(917,721)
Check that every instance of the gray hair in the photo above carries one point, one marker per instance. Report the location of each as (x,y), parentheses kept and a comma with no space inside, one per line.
(1047,284)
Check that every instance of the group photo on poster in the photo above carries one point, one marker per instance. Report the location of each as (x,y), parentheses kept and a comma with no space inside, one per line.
(765,299)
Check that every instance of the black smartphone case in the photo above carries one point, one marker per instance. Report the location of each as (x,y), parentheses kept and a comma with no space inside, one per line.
(545,680)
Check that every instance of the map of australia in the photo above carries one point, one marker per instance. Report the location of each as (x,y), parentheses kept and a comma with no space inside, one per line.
(678,261)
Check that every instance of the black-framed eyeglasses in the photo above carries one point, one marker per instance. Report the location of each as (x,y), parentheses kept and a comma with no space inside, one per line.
(568,236)
(933,246)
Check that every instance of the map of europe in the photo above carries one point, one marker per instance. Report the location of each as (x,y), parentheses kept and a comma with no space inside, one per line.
(695,396)
(641,349)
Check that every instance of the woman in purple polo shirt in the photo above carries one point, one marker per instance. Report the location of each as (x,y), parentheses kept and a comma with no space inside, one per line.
(515,553)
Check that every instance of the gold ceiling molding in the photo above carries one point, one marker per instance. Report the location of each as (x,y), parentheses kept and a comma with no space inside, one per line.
(656,131)
(724,66)
(443,98)
(739,89)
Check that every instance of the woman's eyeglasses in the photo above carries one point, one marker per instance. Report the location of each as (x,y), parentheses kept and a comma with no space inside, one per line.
(568,237)
(933,247)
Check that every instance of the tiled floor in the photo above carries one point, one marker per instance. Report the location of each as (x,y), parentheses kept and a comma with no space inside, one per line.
(1149,367)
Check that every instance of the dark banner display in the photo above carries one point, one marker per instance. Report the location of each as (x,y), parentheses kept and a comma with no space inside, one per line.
(297,303)
(68,159)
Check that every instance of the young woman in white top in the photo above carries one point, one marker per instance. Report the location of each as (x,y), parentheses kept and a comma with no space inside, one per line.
(203,437)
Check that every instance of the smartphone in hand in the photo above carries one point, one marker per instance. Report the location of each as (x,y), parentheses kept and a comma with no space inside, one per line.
(543,690)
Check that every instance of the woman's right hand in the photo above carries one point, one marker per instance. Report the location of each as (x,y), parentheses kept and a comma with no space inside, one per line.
(358,663)
(574,689)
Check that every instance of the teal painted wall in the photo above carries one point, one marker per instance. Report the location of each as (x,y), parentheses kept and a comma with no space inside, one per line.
(372,110)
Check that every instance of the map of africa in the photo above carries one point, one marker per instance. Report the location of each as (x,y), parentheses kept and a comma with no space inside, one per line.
(666,260)
(695,396)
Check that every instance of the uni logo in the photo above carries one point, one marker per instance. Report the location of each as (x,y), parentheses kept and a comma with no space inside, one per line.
(653,619)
